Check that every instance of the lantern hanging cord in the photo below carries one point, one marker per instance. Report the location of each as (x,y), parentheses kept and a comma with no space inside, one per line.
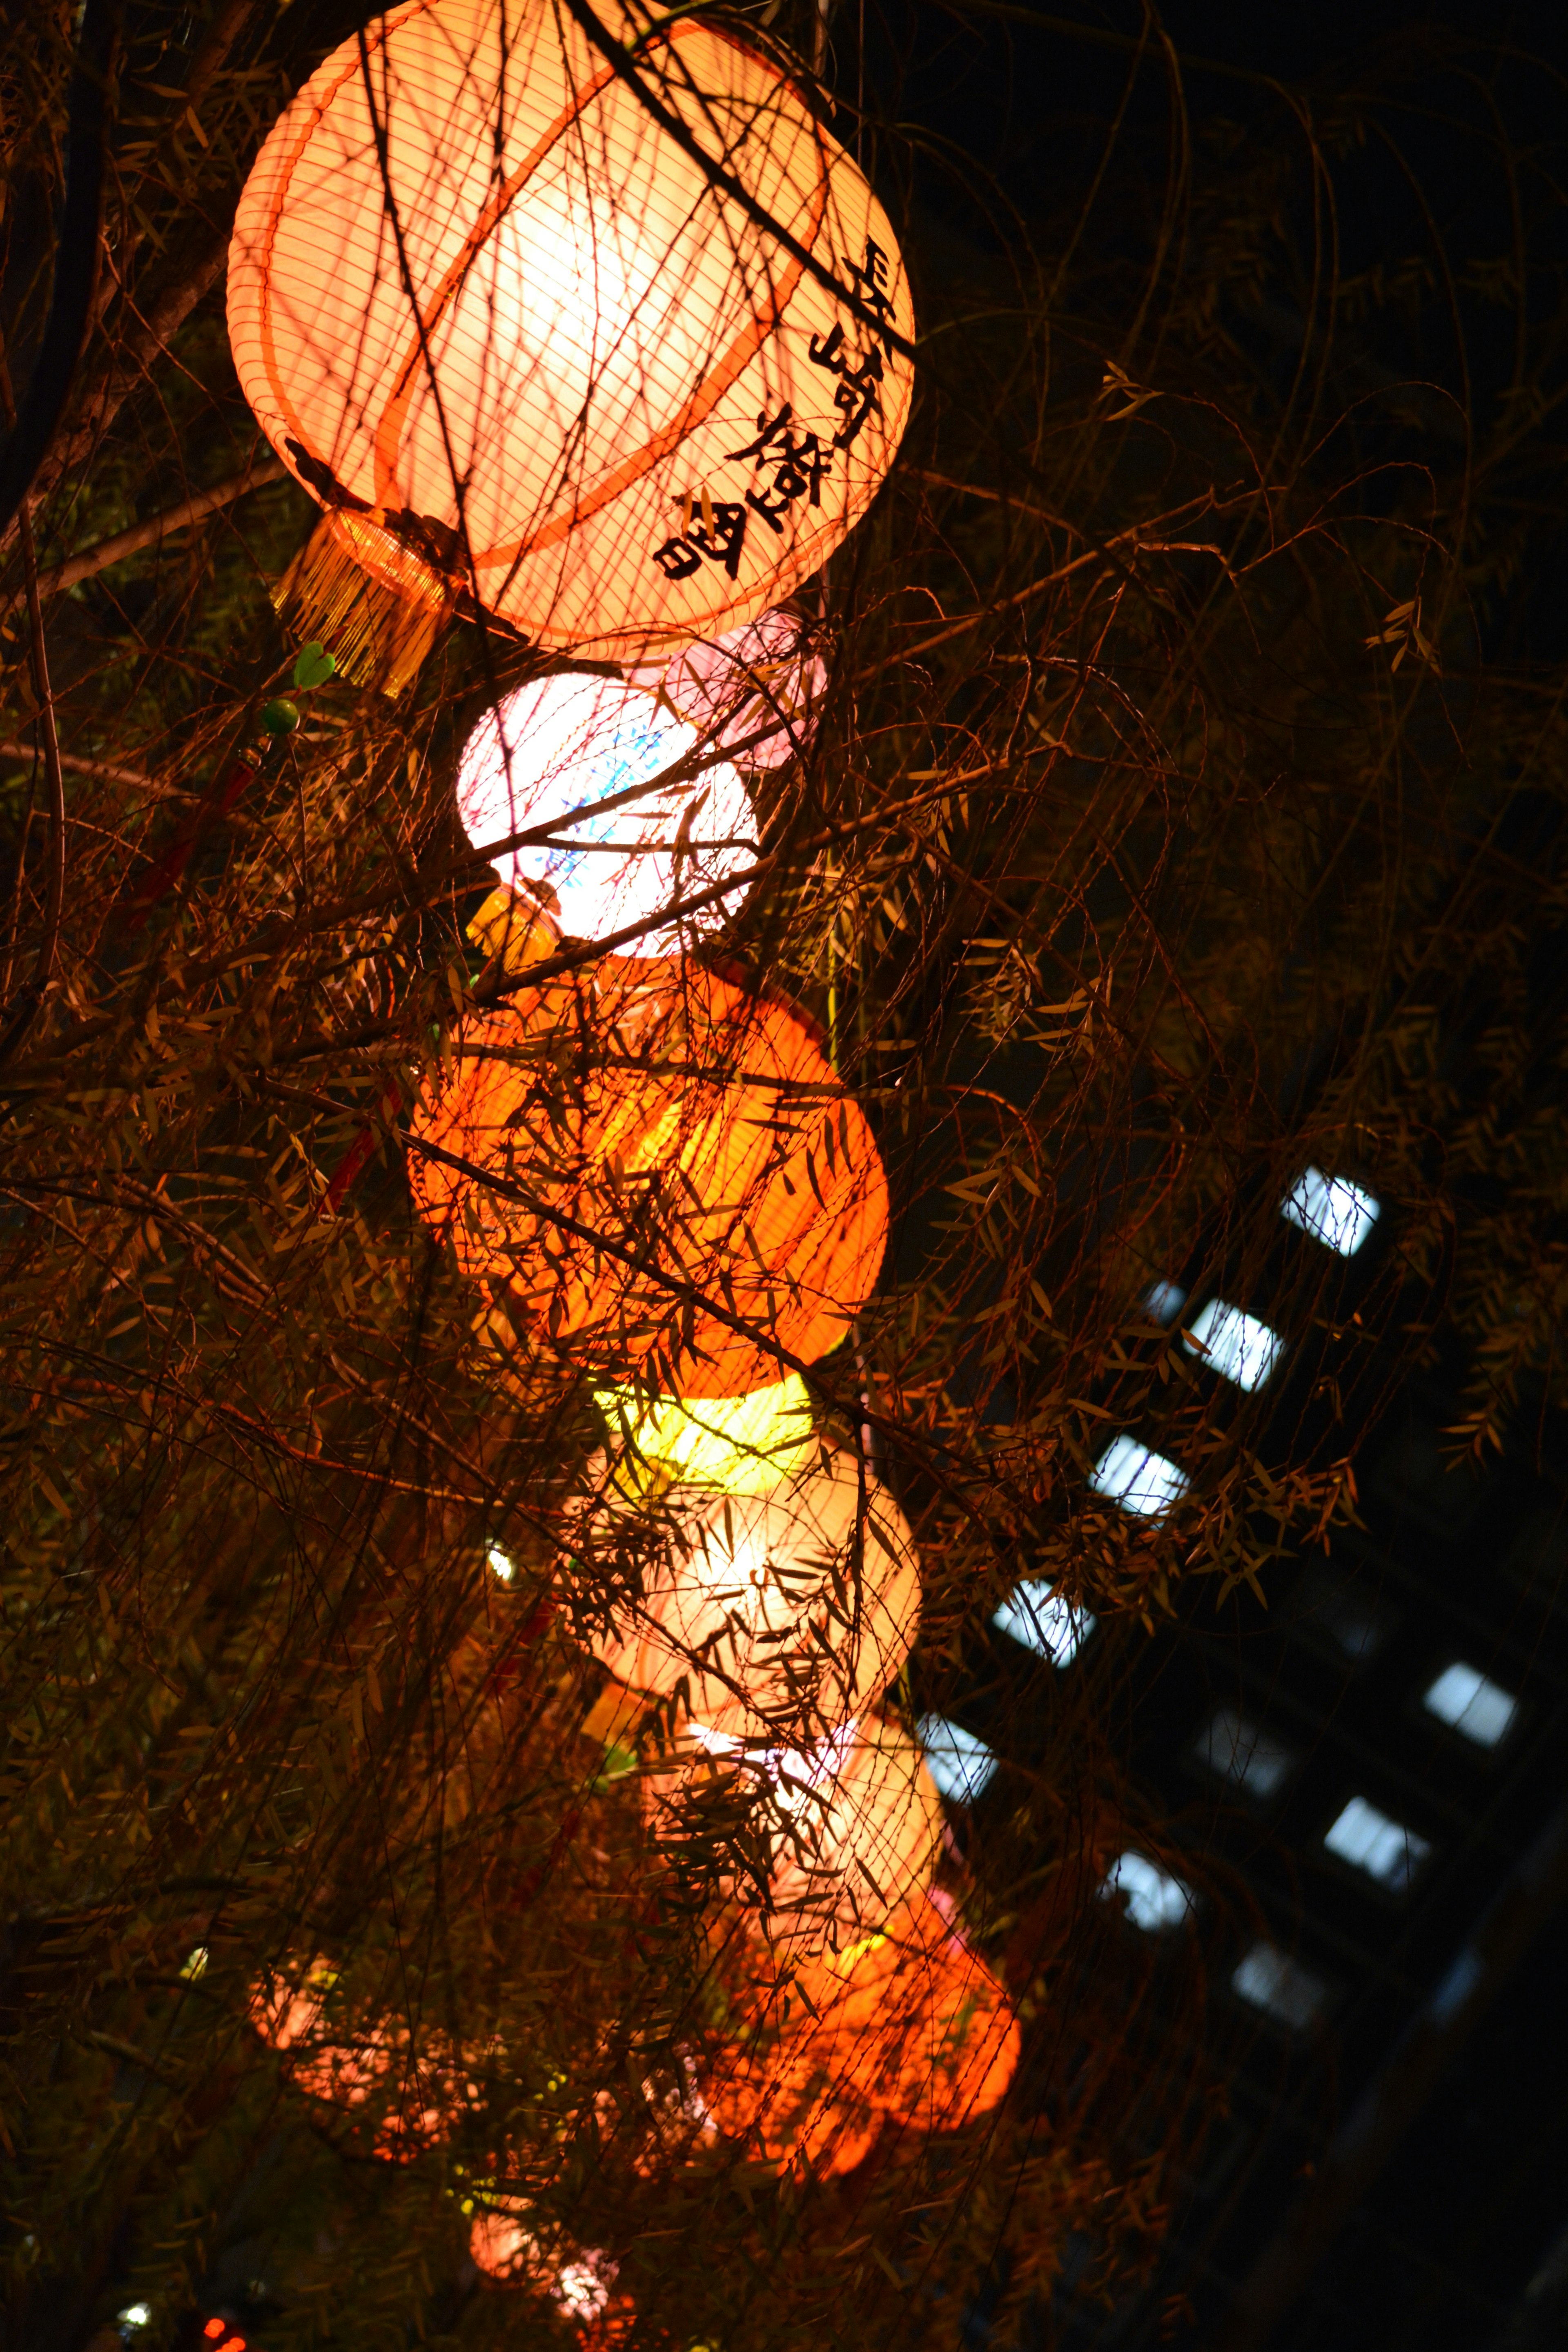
(624,64)
(76,263)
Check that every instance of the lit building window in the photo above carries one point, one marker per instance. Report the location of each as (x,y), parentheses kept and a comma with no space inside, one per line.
(1270,1980)
(1470,1702)
(499,1565)
(1141,1481)
(1152,1898)
(1245,1754)
(1165,1301)
(1036,1614)
(1384,1849)
(1235,1344)
(960,1764)
(1331,1209)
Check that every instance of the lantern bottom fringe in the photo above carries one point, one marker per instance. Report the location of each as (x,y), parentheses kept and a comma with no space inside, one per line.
(379,633)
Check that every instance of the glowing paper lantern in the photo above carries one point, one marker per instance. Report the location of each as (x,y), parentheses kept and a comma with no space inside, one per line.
(636,1168)
(779,1615)
(908,2028)
(564,742)
(753,692)
(748,1445)
(850,1828)
(519,344)
(368,2072)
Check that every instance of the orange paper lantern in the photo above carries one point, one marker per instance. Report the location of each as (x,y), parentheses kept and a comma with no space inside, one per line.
(643,1164)
(518,343)
(909,2029)
(781,1615)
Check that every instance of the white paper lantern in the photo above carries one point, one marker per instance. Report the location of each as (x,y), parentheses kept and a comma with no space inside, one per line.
(566,741)
(780,1615)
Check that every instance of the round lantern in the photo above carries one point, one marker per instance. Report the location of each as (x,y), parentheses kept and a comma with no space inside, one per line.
(664,1177)
(849,1829)
(748,1445)
(778,1616)
(519,344)
(906,2028)
(565,744)
(754,692)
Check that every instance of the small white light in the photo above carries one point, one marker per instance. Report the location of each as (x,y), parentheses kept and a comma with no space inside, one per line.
(499,1564)
(1244,1754)
(1270,1980)
(1470,1702)
(1165,1301)
(1154,1901)
(1384,1849)
(1036,1614)
(1331,1209)
(1141,1481)
(1233,1344)
(136,2315)
(195,1966)
(960,1764)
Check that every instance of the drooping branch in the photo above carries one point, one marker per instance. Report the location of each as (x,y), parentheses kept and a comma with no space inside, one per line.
(91,560)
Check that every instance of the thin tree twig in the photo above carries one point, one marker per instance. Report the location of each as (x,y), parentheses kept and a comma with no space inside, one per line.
(98,558)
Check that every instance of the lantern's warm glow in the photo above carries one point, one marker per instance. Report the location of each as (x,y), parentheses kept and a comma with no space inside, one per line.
(754,692)
(781,1616)
(500,324)
(565,743)
(907,2029)
(646,1164)
(748,1445)
(852,1827)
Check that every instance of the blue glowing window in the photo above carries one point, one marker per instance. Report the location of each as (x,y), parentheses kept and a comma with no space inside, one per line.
(1331,1209)
(959,1763)
(1036,1614)
(1233,1344)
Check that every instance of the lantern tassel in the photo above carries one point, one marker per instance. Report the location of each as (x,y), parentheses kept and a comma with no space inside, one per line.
(374,603)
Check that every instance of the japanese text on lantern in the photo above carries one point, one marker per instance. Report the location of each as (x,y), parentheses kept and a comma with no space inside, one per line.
(788,464)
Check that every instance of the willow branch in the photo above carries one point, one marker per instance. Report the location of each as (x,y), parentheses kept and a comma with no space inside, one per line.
(256,476)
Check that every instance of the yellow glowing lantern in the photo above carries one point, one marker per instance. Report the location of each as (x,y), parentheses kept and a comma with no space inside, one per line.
(524,347)
(780,1616)
(747,1445)
(662,1175)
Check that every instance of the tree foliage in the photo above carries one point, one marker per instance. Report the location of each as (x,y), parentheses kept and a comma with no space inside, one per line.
(1185,810)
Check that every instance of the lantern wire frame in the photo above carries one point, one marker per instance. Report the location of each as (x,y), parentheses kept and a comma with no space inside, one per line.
(1131,867)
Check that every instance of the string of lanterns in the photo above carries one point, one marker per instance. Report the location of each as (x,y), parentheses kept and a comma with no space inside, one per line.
(619,391)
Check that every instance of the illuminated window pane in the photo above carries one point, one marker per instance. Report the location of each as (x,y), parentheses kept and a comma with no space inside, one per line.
(1332,1210)
(1470,1702)
(1270,1980)
(1165,1300)
(1384,1849)
(1234,1343)
(1141,1481)
(960,1764)
(1245,1754)
(1037,1616)
(1152,1898)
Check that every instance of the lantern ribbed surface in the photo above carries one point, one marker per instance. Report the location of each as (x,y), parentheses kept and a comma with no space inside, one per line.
(640,1165)
(515,340)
